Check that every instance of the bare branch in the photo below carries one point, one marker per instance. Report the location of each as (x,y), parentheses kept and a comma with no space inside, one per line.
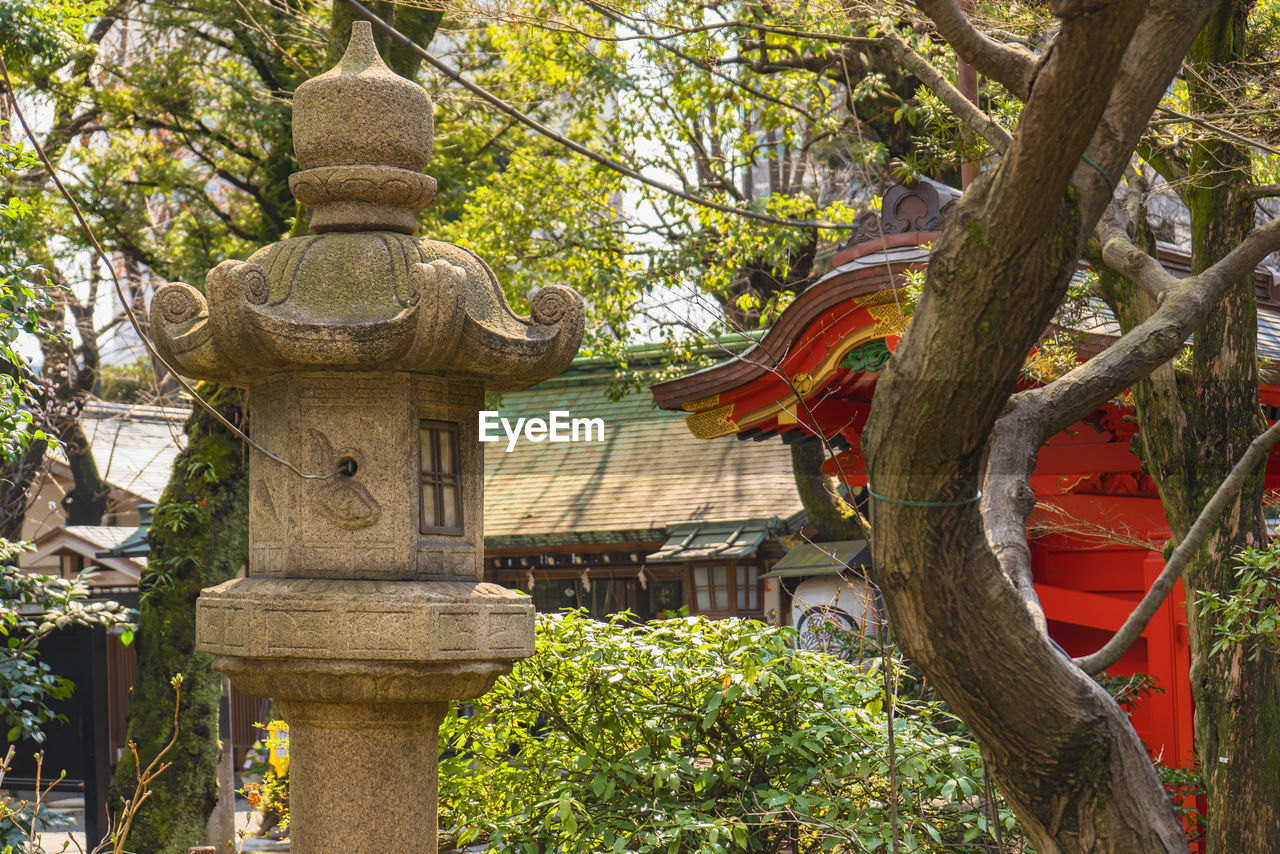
(1031,417)
(1167,163)
(1152,342)
(1011,66)
(612,16)
(1262,191)
(1136,191)
(1227,493)
(1218,129)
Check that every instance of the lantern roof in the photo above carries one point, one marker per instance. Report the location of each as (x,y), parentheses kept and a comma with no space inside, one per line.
(361,293)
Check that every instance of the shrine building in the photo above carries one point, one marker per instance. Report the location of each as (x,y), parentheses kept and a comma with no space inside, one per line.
(1098,528)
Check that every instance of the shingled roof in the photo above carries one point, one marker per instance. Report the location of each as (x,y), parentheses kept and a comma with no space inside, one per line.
(648,472)
(134,446)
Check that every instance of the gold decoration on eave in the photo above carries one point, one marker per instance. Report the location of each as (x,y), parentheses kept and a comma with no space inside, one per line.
(712,423)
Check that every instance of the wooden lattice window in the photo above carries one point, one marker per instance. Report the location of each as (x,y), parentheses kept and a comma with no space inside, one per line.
(711,589)
(441,469)
(718,587)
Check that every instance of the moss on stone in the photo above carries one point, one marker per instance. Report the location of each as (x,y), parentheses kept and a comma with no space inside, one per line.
(199,538)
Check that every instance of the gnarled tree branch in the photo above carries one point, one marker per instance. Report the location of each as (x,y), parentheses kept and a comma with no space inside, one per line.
(1119,253)
(1031,417)
(1012,66)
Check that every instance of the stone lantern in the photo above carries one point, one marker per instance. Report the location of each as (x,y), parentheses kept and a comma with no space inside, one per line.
(366,352)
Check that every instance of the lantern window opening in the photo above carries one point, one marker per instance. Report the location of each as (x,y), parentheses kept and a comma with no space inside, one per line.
(441,488)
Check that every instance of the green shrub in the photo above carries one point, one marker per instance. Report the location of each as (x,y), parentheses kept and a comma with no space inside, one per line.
(691,735)
(33,606)
(1248,615)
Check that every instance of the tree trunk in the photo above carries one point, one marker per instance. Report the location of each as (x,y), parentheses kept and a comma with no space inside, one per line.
(1237,700)
(86,501)
(953,569)
(1193,429)
(1064,755)
(199,538)
(832,517)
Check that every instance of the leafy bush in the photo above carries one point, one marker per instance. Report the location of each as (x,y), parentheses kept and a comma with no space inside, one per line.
(691,735)
(1247,616)
(31,607)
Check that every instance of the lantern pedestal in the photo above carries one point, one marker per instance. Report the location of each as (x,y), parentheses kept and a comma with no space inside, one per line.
(363,672)
(363,777)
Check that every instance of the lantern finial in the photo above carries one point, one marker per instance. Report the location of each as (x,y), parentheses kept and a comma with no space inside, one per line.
(362,135)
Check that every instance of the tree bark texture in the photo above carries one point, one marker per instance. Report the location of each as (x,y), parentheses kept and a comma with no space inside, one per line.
(86,501)
(833,518)
(1193,428)
(199,538)
(956,576)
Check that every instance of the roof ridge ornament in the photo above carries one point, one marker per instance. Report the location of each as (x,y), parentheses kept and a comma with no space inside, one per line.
(917,206)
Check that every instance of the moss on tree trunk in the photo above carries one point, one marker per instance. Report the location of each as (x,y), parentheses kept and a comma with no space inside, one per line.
(833,518)
(199,538)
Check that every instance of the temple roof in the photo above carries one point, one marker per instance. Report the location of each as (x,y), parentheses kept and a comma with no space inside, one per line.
(810,350)
(647,474)
(86,541)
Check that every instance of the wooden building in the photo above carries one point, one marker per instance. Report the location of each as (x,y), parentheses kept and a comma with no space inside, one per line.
(643,517)
(133,447)
(93,735)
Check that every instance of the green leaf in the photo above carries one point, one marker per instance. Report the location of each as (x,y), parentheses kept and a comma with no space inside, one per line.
(713,710)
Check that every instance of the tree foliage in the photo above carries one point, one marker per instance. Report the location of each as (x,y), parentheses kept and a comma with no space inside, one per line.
(792,111)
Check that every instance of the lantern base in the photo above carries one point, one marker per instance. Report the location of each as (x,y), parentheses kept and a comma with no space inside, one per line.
(363,672)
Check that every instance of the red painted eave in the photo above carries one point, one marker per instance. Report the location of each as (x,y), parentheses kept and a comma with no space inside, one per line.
(791,327)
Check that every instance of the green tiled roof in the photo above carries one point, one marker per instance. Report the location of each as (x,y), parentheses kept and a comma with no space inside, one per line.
(707,540)
(821,559)
(648,473)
